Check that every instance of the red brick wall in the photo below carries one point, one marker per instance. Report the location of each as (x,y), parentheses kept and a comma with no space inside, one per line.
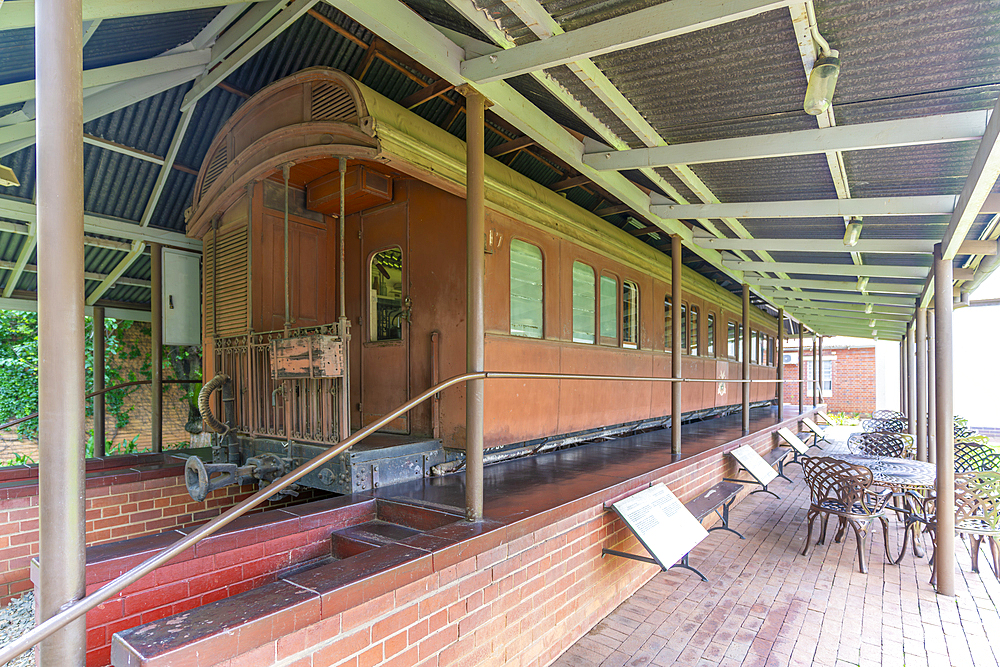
(853,380)
(520,594)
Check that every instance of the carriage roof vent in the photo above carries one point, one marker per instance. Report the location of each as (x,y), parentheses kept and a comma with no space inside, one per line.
(332,102)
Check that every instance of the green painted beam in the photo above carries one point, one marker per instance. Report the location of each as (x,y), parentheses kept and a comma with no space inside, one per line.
(21,14)
(817,208)
(869,270)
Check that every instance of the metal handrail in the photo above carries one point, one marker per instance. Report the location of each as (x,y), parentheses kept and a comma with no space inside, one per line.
(20,420)
(75,610)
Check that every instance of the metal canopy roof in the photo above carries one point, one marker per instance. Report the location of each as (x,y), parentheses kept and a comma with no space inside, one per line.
(680,117)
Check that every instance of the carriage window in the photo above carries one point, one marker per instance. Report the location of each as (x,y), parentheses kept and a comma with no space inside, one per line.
(526,314)
(765,344)
(583,303)
(710,340)
(684,329)
(630,314)
(739,344)
(386,298)
(754,347)
(609,309)
(694,331)
(668,326)
(732,340)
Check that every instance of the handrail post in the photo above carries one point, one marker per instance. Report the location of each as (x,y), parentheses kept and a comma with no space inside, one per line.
(475,133)
(99,403)
(61,378)
(156,345)
(676,353)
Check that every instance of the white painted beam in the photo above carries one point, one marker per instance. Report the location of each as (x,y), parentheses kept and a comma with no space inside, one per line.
(249,23)
(21,14)
(280,22)
(109,281)
(805,308)
(22,91)
(123,149)
(168,163)
(816,208)
(945,128)
(669,19)
(873,286)
(31,306)
(877,309)
(87,275)
(877,246)
(27,250)
(871,271)
(13,209)
(841,298)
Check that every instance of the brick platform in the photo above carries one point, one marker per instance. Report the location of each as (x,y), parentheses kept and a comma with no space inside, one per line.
(765,604)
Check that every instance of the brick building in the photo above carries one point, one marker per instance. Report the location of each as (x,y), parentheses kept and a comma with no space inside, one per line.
(859,376)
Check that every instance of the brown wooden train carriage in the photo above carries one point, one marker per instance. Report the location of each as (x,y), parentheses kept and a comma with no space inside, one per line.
(404,188)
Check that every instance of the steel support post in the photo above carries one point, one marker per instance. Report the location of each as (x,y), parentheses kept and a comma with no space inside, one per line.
(99,437)
(911,380)
(815,366)
(931,390)
(61,378)
(676,410)
(943,367)
(475,131)
(156,345)
(920,417)
(802,370)
(902,374)
(780,363)
(745,375)
(819,368)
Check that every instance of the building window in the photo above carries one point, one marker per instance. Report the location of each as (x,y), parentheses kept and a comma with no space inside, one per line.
(584,310)
(630,314)
(826,385)
(694,331)
(526,290)
(684,329)
(732,341)
(710,335)
(668,326)
(609,310)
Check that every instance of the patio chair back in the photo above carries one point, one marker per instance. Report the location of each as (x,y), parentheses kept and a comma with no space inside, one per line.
(974,457)
(890,425)
(888,414)
(839,486)
(977,502)
(877,444)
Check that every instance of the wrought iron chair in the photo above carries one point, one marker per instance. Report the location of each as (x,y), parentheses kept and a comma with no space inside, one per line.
(975,457)
(977,515)
(890,425)
(974,438)
(877,444)
(888,414)
(839,489)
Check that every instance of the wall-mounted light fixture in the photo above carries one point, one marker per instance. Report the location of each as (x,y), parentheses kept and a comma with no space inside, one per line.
(871,323)
(826,69)
(8,178)
(853,232)
(868,308)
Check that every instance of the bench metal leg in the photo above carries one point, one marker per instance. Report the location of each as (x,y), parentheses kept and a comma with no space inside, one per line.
(764,489)
(725,521)
(684,564)
(781,470)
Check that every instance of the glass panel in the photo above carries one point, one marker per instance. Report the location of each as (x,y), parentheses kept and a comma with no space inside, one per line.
(828,375)
(684,329)
(386,306)
(694,331)
(731,347)
(739,344)
(668,326)
(630,315)
(609,308)
(754,347)
(526,290)
(710,342)
(583,303)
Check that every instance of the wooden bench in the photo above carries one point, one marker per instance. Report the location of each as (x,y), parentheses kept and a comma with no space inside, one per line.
(761,468)
(721,496)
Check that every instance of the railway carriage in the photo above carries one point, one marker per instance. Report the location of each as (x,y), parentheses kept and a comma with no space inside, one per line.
(334,234)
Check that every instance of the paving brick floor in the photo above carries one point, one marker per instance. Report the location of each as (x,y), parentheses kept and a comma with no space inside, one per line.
(766,604)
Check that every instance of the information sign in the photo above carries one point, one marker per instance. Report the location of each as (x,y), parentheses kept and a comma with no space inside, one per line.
(754,464)
(793,440)
(663,525)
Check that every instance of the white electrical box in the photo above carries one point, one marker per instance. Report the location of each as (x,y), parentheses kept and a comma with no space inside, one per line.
(181,298)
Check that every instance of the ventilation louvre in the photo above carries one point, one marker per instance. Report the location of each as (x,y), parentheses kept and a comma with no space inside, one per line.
(332,102)
(215,167)
(226,269)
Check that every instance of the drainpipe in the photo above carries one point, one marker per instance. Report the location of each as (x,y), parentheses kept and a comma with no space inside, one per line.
(920,417)
(746,359)
(780,363)
(802,370)
(931,390)
(61,425)
(156,326)
(99,436)
(475,131)
(676,409)
(945,552)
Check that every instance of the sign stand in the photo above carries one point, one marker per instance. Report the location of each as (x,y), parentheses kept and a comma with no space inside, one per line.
(799,448)
(663,526)
(753,463)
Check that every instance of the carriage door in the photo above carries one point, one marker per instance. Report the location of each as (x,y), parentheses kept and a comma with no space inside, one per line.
(385,357)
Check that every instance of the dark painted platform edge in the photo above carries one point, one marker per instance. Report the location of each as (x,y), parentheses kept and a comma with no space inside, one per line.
(250,619)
